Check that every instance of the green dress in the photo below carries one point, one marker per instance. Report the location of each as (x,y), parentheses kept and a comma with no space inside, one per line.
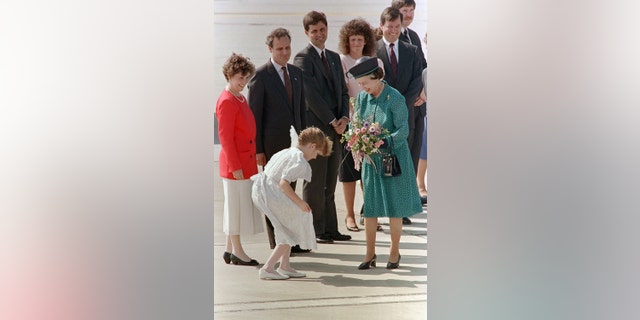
(392,197)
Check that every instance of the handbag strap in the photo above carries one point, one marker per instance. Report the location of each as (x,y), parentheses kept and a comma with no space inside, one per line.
(390,138)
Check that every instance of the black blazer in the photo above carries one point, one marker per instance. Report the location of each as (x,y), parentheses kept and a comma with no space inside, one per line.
(273,111)
(409,79)
(416,41)
(326,98)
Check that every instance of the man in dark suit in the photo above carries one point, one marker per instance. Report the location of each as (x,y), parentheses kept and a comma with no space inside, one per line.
(276,97)
(327,101)
(403,71)
(407,8)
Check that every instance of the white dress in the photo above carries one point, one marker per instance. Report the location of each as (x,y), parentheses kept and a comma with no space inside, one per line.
(291,225)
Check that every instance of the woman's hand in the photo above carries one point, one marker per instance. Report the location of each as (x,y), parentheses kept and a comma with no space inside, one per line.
(238,174)
(261,159)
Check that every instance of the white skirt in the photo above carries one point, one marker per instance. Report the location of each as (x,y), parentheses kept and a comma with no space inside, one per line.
(240,215)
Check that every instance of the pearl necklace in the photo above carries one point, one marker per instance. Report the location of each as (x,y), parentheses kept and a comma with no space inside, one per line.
(242,99)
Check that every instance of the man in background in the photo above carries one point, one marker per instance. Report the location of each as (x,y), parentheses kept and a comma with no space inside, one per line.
(276,97)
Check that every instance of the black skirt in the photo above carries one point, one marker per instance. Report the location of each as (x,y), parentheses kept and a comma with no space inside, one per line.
(348,172)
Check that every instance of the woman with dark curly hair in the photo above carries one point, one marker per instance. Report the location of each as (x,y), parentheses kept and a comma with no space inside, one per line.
(356,40)
(237,132)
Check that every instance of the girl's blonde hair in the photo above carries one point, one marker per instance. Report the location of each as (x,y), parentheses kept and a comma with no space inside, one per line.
(315,135)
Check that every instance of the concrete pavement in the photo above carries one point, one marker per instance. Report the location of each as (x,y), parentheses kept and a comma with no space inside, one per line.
(334,288)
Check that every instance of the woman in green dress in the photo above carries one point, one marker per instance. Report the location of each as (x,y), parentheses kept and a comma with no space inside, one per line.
(392,197)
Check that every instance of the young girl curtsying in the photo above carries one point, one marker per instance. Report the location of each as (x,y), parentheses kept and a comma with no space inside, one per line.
(290,215)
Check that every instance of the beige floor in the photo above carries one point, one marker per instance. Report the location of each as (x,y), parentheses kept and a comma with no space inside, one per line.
(334,288)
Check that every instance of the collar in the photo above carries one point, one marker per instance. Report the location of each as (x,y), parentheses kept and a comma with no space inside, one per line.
(276,65)
(387,43)
(318,50)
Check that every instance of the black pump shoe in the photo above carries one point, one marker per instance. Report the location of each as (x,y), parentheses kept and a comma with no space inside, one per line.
(368,264)
(227,257)
(235,260)
(394,265)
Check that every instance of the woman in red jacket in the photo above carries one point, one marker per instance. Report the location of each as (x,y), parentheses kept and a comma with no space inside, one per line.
(237,132)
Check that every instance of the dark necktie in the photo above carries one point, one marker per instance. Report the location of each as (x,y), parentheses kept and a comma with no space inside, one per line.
(394,60)
(287,84)
(326,64)
(406,35)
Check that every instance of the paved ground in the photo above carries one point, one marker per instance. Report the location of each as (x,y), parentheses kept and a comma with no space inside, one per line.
(334,288)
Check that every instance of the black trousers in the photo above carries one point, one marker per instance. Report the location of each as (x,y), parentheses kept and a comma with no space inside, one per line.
(415,138)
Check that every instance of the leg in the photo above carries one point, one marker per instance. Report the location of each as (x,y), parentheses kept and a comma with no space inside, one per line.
(313,193)
(237,250)
(279,252)
(396,231)
(229,245)
(284,260)
(422,171)
(422,163)
(349,189)
(285,268)
(331,180)
(417,140)
(370,225)
(270,234)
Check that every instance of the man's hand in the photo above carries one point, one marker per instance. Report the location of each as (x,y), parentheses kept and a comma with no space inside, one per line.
(420,100)
(340,125)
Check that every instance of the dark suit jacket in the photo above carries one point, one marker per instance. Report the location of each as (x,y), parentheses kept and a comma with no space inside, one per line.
(273,111)
(326,98)
(416,41)
(409,79)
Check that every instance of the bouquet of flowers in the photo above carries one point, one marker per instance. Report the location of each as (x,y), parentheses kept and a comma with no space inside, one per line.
(363,138)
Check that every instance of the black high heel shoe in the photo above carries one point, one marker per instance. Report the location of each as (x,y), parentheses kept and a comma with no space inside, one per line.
(394,265)
(227,257)
(368,264)
(237,261)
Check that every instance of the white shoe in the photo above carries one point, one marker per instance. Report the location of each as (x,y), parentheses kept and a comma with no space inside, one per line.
(273,276)
(290,274)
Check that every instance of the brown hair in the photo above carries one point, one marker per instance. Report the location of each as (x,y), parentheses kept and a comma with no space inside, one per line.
(237,64)
(390,14)
(277,33)
(313,17)
(377,32)
(357,27)
(315,135)
(399,4)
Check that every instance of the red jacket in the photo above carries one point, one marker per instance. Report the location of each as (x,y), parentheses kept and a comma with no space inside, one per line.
(237,132)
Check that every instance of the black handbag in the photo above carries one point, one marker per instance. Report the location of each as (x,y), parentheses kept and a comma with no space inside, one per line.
(390,163)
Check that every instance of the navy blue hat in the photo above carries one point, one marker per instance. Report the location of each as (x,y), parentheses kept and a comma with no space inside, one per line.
(364,66)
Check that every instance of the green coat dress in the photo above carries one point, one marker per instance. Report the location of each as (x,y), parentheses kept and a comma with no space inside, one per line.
(392,197)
